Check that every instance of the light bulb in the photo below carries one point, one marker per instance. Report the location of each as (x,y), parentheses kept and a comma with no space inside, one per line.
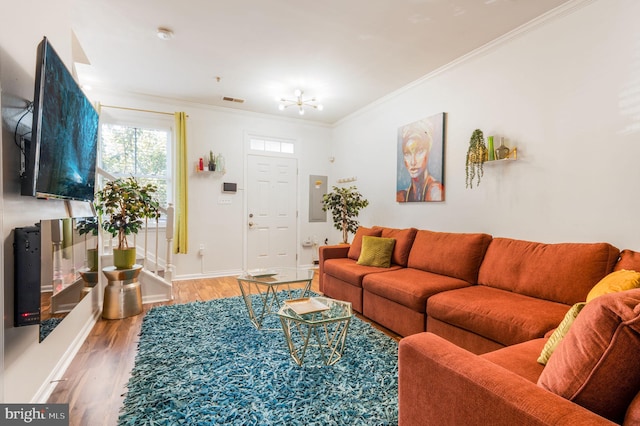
(281,107)
(164,34)
(301,111)
(297,93)
(320,107)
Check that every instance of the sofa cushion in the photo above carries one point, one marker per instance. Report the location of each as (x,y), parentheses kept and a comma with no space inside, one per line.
(596,364)
(629,260)
(520,358)
(376,251)
(348,270)
(616,281)
(404,241)
(559,333)
(356,244)
(501,316)
(632,417)
(562,272)
(453,254)
(410,287)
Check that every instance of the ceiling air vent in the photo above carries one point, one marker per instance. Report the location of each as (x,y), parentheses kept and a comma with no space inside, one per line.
(230,99)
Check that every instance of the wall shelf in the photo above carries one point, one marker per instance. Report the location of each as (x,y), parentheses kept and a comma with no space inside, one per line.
(211,173)
(499,161)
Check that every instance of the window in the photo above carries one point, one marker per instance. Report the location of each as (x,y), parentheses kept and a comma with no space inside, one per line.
(140,152)
(271,145)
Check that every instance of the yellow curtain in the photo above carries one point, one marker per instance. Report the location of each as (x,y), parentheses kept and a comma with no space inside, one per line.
(181,213)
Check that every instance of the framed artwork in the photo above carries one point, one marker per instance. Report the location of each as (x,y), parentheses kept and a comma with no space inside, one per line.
(420,160)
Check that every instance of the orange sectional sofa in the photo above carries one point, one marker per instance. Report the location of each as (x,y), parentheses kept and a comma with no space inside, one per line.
(478,311)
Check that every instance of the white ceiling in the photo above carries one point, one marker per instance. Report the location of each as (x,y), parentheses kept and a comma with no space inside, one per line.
(348,53)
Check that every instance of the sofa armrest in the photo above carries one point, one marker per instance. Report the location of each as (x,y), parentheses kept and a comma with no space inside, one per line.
(330,252)
(442,384)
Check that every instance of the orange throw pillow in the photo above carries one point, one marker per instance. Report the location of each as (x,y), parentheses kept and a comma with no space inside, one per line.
(356,244)
(596,364)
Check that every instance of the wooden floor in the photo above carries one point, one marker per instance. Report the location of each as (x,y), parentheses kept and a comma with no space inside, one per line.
(95,383)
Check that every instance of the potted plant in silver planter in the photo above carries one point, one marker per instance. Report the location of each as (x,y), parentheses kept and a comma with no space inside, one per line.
(345,204)
(122,205)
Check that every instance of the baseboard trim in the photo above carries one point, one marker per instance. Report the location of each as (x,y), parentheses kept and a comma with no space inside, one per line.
(48,386)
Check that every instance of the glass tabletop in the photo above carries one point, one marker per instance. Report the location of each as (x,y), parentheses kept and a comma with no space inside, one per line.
(313,310)
(276,275)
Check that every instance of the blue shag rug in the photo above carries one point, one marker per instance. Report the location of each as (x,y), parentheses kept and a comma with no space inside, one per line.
(47,326)
(204,363)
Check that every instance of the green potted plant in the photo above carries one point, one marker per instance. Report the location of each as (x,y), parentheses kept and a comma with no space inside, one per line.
(477,154)
(344,204)
(122,204)
(212,162)
(86,226)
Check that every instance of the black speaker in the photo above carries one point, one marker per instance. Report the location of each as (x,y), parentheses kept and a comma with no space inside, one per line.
(26,283)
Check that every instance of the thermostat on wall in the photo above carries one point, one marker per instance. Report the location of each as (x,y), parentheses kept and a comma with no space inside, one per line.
(230,187)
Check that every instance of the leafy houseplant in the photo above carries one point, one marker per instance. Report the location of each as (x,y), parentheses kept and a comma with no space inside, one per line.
(86,226)
(477,154)
(345,204)
(122,204)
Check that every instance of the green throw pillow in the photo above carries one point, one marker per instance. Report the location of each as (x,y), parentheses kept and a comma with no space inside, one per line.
(560,332)
(376,251)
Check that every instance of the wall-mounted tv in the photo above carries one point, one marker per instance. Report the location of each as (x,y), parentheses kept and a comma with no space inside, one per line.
(60,159)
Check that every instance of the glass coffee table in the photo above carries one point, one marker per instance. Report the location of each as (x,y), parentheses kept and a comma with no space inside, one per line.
(316,322)
(260,289)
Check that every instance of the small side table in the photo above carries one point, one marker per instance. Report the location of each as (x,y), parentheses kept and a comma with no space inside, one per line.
(122,295)
(265,285)
(323,325)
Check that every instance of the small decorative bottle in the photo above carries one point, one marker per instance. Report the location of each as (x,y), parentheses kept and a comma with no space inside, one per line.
(502,151)
(220,163)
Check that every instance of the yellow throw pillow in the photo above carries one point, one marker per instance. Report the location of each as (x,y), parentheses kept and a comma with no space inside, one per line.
(376,251)
(616,281)
(560,332)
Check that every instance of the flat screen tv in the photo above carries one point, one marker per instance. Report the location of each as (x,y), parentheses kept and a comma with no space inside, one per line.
(60,159)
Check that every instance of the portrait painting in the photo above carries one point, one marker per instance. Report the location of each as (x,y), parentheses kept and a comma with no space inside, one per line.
(420,162)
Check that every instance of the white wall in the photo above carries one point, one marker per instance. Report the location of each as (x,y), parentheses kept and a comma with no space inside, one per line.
(564,92)
(28,365)
(221,227)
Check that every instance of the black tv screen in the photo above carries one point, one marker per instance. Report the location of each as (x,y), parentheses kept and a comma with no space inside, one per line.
(61,157)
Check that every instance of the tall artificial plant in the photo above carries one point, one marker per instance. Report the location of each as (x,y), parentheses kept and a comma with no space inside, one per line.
(122,204)
(477,154)
(344,204)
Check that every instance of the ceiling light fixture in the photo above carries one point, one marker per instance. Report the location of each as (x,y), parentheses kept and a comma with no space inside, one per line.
(164,34)
(299,102)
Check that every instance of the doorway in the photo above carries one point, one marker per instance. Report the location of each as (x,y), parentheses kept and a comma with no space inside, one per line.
(272,200)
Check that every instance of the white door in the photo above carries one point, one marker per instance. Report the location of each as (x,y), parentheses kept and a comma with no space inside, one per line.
(271,212)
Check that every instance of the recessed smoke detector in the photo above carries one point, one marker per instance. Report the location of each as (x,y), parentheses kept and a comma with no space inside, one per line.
(164,33)
(230,99)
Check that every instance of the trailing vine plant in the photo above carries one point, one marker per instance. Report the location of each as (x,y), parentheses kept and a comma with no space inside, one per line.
(476,156)
(345,204)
